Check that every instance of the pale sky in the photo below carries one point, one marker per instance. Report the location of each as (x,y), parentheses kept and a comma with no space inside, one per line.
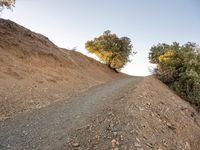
(70,23)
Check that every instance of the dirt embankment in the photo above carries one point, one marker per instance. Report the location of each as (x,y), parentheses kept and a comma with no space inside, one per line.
(125,114)
(148,117)
(35,73)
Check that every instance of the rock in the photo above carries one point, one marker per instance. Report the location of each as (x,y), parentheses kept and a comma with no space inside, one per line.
(8,146)
(148,103)
(165,143)
(111,125)
(121,138)
(171,126)
(149,145)
(76,144)
(25,132)
(152,114)
(96,136)
(113,142)
(137,139)
(115,134)
(187,146)
(110,113)
(137,145)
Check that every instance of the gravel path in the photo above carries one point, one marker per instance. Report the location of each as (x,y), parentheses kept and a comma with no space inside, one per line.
(48,128)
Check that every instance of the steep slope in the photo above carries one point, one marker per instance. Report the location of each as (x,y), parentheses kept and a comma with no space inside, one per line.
(123,114)
(34,72)
(147,116)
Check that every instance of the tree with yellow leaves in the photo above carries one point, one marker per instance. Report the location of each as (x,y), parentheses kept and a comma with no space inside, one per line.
(111,49)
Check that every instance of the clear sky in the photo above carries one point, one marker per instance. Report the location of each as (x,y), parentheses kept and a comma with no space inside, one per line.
(70,23)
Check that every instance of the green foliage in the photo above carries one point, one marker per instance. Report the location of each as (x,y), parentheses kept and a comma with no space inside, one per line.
(179,67)
(111,49)
(6,4)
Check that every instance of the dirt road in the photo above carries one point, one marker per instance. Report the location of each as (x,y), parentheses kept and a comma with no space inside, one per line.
(50,127)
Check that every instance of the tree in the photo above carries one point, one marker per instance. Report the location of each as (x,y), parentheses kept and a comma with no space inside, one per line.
(179,67)
(6,4)
(111,49)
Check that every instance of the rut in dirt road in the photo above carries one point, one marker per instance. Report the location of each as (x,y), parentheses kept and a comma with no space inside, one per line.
(48,127)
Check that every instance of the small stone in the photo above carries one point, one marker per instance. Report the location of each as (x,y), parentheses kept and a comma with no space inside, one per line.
(148,103)
(121,138)
(8,146)
(116,148)
(152,114)
(150,145)
(165,143)
(110,113)
(187,146)
(75,144)
(111,125)
(170,126)
(113,142)
(137,139)
(115,134)
(137,145)
(24,132)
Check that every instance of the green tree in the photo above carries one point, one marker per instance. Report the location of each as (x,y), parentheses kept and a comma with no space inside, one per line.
(6,4)
(179,67)
(111,49)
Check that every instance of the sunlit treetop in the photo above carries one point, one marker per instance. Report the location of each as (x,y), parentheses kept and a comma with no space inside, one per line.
(111,49)
(6,4)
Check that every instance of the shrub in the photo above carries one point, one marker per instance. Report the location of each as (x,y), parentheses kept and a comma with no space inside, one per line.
(179,67)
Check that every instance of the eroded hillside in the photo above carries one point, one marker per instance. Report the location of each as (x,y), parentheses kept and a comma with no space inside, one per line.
(34,72)
(147,116)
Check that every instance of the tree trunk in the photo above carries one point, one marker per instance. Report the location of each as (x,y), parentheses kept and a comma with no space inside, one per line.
(109,65)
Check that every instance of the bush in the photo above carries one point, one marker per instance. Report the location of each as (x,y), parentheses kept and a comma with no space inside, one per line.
(179,67)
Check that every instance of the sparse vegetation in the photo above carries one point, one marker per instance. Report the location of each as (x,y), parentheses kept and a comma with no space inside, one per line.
(179,67)
(6,4)
(111,49)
